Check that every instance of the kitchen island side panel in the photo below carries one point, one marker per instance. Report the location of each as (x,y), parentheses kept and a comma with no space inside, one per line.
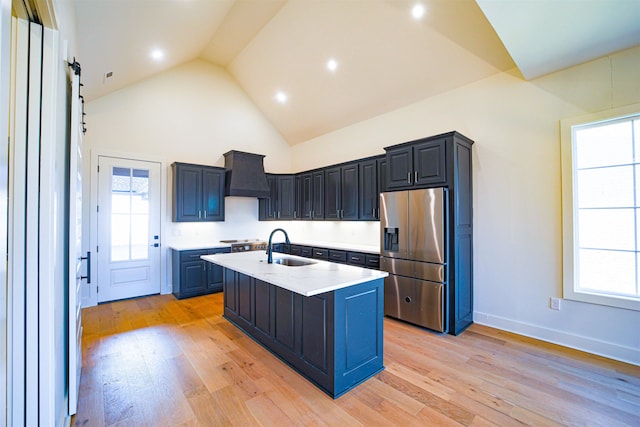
(359,315)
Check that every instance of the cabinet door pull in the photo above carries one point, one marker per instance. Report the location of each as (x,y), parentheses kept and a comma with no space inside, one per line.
(408,177)
(199,214)
(416,177)
(205,214)
(88,259)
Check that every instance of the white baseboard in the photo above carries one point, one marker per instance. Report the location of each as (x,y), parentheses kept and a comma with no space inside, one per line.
(601,348)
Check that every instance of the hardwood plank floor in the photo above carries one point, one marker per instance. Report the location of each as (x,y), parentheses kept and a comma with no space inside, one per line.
(157,361)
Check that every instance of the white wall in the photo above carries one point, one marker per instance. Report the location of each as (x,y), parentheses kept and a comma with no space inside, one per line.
(517,204)
(193,113)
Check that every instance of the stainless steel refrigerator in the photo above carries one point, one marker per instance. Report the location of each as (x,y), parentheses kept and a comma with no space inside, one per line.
(412,239)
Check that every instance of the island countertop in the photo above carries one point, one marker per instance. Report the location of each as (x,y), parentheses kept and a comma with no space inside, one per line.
(308,280)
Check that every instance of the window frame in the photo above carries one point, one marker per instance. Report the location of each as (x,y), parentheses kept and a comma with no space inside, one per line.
(569,213)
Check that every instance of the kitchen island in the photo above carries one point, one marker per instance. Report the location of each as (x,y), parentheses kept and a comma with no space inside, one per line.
(323,319)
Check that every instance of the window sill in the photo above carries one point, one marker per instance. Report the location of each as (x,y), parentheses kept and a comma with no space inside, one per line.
(600,299)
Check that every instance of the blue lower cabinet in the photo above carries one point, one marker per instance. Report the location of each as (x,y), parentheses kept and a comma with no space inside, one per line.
(230,294)
(192,276)
(334,339)
(284,317)
(263,320)
(245,289)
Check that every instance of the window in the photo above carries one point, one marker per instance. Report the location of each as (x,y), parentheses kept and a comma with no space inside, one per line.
(601,208)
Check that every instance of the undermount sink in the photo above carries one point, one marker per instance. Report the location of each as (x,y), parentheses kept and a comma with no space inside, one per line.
(291,262)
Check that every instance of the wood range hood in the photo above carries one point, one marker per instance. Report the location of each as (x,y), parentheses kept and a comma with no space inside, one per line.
(245,176)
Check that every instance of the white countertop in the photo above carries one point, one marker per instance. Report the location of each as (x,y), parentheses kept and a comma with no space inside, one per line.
(188,246)
(307,280)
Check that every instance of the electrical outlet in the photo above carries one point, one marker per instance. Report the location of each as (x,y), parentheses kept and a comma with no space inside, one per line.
(555,303)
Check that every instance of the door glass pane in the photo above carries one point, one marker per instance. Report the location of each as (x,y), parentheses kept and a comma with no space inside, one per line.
(119,237)
(139,236)
(140,191)
(129,214)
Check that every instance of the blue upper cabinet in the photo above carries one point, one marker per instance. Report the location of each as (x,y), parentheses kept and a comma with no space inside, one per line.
(341,192)
(417,164)
(369,189)
(281,203)
(308,196)
(198,193)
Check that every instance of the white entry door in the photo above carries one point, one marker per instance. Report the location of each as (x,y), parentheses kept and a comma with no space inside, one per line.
(128,228)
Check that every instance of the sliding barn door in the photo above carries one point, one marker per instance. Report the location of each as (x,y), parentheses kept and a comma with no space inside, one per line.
(76,256)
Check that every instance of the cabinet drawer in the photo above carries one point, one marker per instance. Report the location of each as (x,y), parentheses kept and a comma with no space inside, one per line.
(295,250)
(278,247)
(356,258)
(193,255)
(218,251)
(337,256)
(320,253)
(372,261)
(306,251)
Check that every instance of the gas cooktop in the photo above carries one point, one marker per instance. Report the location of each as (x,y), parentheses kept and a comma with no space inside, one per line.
(243,245)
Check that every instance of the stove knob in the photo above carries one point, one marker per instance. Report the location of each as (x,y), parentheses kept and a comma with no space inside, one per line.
(246,247)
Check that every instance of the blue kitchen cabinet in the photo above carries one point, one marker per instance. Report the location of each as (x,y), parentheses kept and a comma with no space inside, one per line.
(192,276)
(417,164)
(341,192)
(369,188)
(198,193)
(334,339)
(281,203)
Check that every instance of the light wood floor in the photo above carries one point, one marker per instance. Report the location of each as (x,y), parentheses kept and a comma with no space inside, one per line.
(157,361)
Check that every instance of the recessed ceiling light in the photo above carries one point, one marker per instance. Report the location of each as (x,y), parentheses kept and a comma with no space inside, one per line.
(418,11)
(157,54)
(332,65)
(281,97)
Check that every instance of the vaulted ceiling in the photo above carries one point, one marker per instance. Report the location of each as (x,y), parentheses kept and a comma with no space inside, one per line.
(385,58)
